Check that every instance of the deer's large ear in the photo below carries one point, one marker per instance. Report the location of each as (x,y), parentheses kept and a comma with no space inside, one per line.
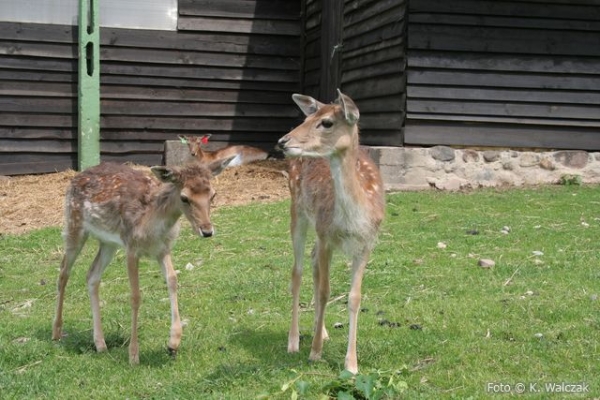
(307,104)
(183,139)
(165,174)
(350,110)
(217,166)
(204,138)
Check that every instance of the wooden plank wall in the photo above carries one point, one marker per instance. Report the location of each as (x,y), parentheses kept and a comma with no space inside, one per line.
(229,70)
(373,67)
(504,73)
(311,44)
(367,63)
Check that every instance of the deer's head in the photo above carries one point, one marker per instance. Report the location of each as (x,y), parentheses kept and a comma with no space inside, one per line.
(195,191)
(195,143)
(327,129)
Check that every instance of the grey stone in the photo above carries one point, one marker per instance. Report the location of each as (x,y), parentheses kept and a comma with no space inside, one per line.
(508,166)
(529,160)
(177,153)
(442,153)
(572,158)
(491,155)
(470,156)
(547,164)
(486,263)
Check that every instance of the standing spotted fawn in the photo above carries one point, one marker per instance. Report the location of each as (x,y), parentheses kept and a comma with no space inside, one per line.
(337,189)
(124,207)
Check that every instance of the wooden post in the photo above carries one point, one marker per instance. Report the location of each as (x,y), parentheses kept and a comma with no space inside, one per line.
(89,84)
(332,18)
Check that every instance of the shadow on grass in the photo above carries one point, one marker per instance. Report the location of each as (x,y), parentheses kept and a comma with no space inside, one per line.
(270,348)
(80,342)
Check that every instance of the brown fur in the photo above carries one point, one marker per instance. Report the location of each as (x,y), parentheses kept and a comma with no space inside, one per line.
(241,154)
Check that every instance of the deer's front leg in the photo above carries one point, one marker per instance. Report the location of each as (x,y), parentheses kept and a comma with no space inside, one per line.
(171,279)
(134,284)
(298,230)
(358,269)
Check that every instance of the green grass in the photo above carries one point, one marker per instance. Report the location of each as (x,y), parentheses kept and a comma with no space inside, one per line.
(531,318)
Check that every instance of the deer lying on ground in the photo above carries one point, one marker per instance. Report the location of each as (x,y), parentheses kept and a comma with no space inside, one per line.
(241,154)
(337,189)
(123,207)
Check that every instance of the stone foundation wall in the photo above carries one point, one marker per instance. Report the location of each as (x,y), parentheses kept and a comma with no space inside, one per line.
(445,168)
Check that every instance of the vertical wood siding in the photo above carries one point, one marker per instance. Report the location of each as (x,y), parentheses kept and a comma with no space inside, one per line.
(504,73)
(229,71)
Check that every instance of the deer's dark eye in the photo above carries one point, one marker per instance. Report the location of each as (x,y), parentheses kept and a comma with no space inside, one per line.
(327,123)
(185,199)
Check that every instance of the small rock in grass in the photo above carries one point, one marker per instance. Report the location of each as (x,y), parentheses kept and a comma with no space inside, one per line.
(538,335)
(486,263)
(441,245)
(537,253)
(594,297)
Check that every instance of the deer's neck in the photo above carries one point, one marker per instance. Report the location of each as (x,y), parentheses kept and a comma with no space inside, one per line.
(167,204)
(349,195)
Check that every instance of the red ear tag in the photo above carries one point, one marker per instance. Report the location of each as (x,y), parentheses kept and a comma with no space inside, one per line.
(204,139)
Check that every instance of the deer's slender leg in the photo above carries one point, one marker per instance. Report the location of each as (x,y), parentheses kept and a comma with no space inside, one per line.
(171,278)
(323,253)
(75,238)
(316,282)
(359,264)
(299,226)
(134,283)
(105,254)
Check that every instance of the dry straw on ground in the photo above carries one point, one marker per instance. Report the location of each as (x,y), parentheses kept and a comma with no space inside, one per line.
(36,201)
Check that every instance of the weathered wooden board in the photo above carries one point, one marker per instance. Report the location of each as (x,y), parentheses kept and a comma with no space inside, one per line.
(522,72)
(229,71)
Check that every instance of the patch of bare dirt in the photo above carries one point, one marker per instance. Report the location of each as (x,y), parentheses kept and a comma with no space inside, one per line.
(35,201)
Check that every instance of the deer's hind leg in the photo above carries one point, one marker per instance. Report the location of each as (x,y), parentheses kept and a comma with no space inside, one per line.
(74,239)
(134,284)
(103,258)
(322,254)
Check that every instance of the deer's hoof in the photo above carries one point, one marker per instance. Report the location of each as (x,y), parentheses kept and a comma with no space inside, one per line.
(172,352)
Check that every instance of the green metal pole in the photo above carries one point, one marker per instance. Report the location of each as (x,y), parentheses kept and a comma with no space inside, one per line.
(89,84)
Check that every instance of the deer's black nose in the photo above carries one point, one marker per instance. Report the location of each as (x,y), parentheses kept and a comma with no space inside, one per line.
(281,143)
